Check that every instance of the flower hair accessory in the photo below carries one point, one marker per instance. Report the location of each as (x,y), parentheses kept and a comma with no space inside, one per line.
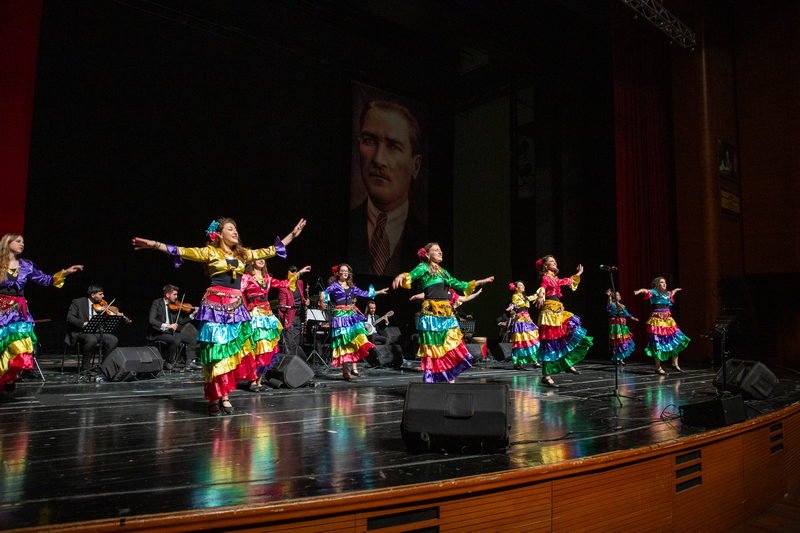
(539,264)
(422,254)
(211,230)
(512,286)
(335,270)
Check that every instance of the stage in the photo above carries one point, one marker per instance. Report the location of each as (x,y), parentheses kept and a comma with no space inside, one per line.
(79,452)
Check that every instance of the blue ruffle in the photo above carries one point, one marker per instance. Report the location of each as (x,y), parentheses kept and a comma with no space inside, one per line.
(16,328)
(212,333)
(264,322)
(436,323)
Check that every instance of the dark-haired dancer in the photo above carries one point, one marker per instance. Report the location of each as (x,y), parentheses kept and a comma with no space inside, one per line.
(666,340)
(226,352)
(17,337)
(563,341)
(256,284)
(349,341)
(524,335)
(619,336)
(441,347)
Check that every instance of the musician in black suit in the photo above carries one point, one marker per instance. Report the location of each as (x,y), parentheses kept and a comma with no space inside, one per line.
(80,312)
(173,328)
(378,337)
(384,234)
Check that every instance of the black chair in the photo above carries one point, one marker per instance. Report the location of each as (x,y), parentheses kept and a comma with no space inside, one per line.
(162,346)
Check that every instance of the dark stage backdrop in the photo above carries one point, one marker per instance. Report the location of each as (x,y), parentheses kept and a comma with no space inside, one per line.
(150,121)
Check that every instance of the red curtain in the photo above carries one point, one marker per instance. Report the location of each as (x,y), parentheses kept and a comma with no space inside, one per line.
(19,45)
(644,181)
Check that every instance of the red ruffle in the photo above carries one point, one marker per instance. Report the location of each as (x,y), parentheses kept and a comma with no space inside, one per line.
(553,332)
(23,361)
(226,383)
(355,357)
(450,360)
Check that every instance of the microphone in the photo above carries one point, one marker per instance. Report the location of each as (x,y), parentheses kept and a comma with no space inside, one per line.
(609,268)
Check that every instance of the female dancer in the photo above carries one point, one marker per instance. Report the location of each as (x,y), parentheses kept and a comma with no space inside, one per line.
(17,337)
(226,352)
(441,348)
(563,341)
(666,340)
(266,327)
(619,336)
(524,333)
(348,336)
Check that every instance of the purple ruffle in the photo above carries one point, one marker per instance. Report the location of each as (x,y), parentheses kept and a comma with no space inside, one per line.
(346,321)
(172,250)
(280,248)
(207,314)
(449,375)
(13,316)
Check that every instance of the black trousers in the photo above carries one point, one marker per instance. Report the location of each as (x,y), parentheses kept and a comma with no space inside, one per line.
(87,344)
(172,341)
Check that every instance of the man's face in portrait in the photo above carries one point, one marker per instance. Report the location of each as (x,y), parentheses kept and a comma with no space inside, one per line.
(388,164)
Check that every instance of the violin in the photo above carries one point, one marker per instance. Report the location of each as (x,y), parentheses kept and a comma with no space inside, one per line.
(107,309)
(183,307)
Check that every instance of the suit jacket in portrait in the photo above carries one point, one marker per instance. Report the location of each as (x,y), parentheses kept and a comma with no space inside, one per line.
(415,236)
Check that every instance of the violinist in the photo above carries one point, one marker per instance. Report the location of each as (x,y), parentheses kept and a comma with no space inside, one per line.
(171,323)
(81,310)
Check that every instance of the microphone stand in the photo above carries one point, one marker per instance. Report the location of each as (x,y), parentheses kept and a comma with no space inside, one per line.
(615,393)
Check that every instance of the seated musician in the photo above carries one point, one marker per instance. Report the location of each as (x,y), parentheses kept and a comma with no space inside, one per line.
(81,310)
(376,327)
(170,324)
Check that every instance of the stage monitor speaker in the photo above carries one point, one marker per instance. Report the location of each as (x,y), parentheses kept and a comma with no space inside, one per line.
(392,334)
(131,363)
(478,351)
(751,379)
(501,351)
(388,355)
(292,371)
(460,418)
(714,413)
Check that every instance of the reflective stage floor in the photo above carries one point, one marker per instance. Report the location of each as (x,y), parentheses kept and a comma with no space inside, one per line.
(76,452)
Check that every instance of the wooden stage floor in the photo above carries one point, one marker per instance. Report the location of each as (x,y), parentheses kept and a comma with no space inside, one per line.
(76,452)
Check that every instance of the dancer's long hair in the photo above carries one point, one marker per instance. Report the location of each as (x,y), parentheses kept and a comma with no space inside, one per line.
(5,251)
(543,266)
(654,284)
(238,249)
(433,268)
(351,281)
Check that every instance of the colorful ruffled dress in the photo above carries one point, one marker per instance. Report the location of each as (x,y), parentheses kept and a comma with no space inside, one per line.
(349,342)
(524,333)
(441,347)
(17,337)
(224,339)
(563,342)
(666,340)
(622,345)
(265,325)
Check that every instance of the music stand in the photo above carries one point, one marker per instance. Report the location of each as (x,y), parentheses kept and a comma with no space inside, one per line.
(99,325)
(615,393)
(315,317)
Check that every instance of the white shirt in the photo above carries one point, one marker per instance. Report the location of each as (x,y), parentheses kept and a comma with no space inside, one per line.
(395,223)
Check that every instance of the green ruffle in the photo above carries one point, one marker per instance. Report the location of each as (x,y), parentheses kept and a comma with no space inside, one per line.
(433,338)
(262,334)
(571,359)
(348,337)
(211,354)
(14,337)
(667,355)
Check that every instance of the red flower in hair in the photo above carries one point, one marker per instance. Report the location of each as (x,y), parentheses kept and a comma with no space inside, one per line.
(422,254)
(539,264)
(213,236)
(335,270)
(512,287)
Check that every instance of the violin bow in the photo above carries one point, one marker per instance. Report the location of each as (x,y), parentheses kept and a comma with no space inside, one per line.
(180,308)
